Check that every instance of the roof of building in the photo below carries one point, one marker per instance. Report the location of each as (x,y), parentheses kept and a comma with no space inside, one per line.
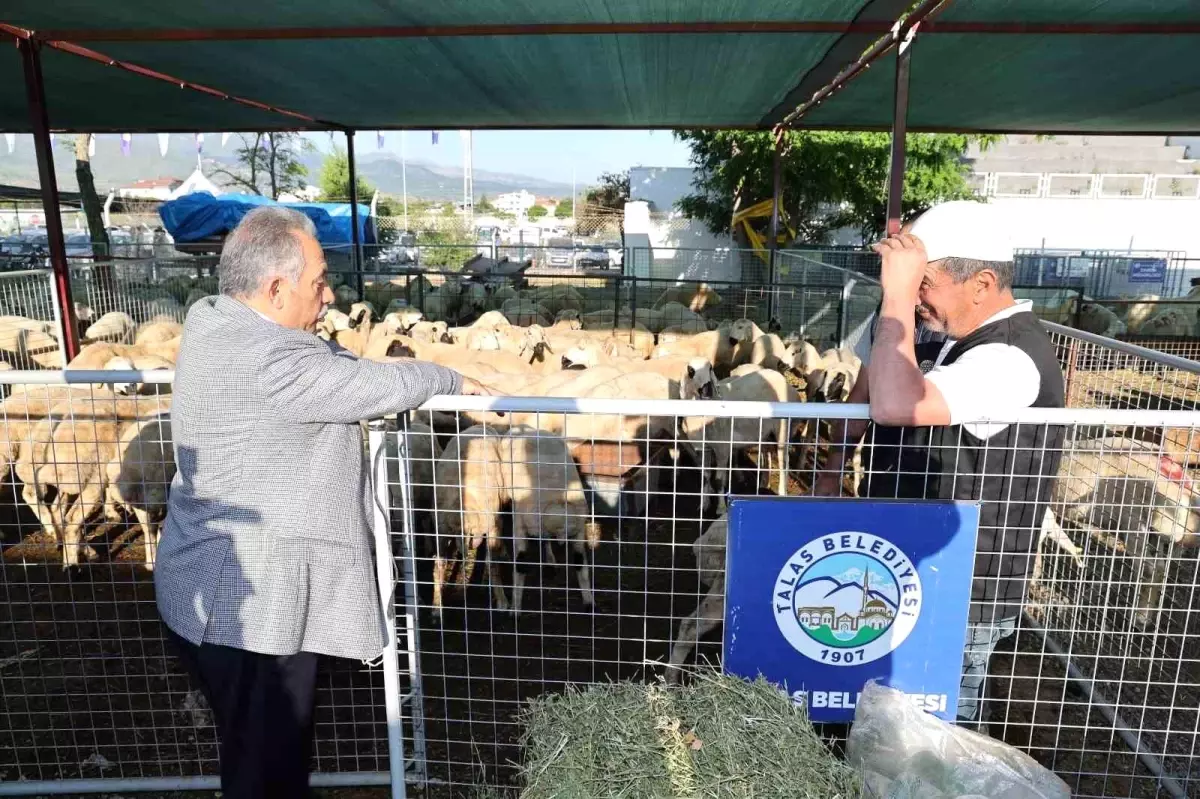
(155,183)
(998,65)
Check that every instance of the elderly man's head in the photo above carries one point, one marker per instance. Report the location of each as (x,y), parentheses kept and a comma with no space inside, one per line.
(273,263)
(969,275)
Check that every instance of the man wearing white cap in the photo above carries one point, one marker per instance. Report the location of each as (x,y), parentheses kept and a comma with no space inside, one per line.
(956,269)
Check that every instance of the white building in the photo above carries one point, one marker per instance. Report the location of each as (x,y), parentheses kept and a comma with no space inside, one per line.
(150,189)
(662,242)
(514,202)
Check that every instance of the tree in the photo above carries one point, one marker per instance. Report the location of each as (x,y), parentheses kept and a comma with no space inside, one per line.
(613,191)
(269,163)
(831,179)
(93,210)
(484,206)
(335,179)
(564,210)
(536,212)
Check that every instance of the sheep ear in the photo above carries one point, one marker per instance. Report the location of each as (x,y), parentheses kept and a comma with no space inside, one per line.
(691,372)
(836,386)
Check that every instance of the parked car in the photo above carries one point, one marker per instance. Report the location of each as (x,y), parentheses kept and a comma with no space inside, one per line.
(592,256)
(560,253)
(616,254)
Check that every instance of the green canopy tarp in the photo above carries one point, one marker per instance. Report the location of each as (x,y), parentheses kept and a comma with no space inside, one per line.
(525,77)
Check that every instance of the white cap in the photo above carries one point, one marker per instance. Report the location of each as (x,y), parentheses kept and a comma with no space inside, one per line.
(963,229)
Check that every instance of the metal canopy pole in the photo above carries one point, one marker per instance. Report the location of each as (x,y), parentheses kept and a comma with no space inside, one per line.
(355,237)
(35,91)
(773,267)
(895,198)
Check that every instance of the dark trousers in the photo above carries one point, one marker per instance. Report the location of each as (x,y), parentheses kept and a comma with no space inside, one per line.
(262,705)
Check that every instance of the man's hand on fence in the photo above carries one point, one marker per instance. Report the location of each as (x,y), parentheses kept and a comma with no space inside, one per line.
(473,388)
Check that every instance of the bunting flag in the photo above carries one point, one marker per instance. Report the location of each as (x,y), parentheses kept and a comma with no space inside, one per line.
(435,136)
(11,140)
(126,143)
(91,146)
(163,140)
(199,143)
(379,139)
(225,138)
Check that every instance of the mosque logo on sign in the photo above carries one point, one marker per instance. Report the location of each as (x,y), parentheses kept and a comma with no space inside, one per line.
(847,598)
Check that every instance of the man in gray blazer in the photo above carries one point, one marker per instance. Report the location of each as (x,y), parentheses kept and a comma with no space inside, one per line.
(266,556)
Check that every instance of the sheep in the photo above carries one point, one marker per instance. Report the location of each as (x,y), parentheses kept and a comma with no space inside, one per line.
(725,347)
(1120,492)
(1140,311)
(692,296)
(344,297)
(432,332)
(134,360)
(671,314)
(491,319)
(482,470)
(567,320)
(557,298)
(693,376)
(422,450)
(770,352)
(709,550)
(157,332)
(832,383)
(115,326)
(362,312)
(684,330)
(355,339)
(805,355)
(331,322)
(524,312)
(745,369)
(722,435)
(1168,322)
(1095,318)
(139,476)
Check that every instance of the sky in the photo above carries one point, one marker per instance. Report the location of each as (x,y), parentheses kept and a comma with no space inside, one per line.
(546,154)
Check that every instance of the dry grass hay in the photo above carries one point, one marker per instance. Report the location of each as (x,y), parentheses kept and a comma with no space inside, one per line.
(718,737)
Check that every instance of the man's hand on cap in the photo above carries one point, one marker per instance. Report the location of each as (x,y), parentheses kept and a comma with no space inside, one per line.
(904,262)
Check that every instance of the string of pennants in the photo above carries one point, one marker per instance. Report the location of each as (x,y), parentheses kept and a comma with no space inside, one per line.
(165,138)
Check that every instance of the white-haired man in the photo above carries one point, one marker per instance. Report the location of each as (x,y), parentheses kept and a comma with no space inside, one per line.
(266,558)
(996,359)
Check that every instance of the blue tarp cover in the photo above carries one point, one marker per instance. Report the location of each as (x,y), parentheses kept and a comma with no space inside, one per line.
(199,215)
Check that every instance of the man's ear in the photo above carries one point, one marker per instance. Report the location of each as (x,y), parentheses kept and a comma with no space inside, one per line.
(275,292)
(984,281)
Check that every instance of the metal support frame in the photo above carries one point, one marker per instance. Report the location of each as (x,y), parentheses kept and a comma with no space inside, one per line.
(895,199)
(355,235)
(777,196)
(384,568)
(35,90)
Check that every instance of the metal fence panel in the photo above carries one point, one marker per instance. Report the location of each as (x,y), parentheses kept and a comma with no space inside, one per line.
(643,599)
(90,689)
(31,339)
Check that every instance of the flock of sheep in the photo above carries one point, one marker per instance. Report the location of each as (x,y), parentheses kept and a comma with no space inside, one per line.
(86,452)
(1140,316)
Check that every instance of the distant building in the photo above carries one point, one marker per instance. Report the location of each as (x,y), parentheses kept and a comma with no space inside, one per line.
(150,189)
(514,202)
(308,194)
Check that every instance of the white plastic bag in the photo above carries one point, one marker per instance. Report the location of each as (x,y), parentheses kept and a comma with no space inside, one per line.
(905,753)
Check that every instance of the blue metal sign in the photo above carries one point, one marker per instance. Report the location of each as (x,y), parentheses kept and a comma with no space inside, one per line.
(823,595)
(1147,270)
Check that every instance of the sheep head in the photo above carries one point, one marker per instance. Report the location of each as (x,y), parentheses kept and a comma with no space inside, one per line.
(578,358)
(741,332)
(534,342)
(698,381)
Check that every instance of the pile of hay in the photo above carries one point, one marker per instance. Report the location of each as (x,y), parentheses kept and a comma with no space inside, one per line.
(719,737)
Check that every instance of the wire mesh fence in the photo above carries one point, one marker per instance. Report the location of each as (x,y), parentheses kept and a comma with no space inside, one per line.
(94,698)
(29,328)
(562,545)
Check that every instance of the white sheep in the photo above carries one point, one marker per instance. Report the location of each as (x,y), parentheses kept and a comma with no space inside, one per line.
(771,352)
(432,332)
(135,360)
(115,326)
(1169,322)
(362,312)
(139,476)
(344,297)
(531,471)
(1095,318)
(157,332)
(695,297)
(524,312)
(709,550)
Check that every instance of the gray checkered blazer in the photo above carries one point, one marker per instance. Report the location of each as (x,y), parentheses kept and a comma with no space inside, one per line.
(266,544)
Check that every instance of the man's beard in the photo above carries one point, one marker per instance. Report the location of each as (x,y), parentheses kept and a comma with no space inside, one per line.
(926,317)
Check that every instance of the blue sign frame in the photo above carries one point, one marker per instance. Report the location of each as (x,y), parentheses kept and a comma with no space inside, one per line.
(1147,270)
(823,595)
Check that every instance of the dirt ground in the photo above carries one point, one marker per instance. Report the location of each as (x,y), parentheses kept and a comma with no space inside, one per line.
(90,691)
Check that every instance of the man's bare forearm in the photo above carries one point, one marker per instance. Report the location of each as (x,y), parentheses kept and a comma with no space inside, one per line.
(894,364)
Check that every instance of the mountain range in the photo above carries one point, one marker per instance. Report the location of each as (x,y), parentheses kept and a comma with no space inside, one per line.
(844,597)
(382,169)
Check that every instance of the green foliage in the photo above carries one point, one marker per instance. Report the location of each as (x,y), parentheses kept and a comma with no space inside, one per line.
(335,180)
(268,163)
(484,206)
(613,191)
(564,210)
(831,179)
(537,212)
